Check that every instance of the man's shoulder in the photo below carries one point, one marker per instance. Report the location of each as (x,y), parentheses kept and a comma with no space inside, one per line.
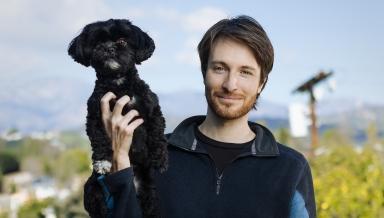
(167,135)
(291,155)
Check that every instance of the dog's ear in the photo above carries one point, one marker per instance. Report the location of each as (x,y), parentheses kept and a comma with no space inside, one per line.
(145,45)
(79,49)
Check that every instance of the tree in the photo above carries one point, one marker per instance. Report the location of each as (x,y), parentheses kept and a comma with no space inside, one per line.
(34,208)
(349,183)
(72,162)
(72,207)
(283,136)
(372,134)
(335,138)
(4,215)
(8,163)
(1,180)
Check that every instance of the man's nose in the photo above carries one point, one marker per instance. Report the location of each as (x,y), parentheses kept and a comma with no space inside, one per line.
(230,83)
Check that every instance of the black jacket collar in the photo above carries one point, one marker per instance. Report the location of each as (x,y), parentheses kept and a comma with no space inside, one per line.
(264,145)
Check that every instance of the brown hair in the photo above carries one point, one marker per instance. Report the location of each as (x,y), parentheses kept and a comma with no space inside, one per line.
(244,29)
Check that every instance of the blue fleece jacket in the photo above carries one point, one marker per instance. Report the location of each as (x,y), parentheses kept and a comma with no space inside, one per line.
(266,180)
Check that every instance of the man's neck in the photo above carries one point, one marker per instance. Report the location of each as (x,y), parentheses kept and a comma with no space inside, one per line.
(224,130)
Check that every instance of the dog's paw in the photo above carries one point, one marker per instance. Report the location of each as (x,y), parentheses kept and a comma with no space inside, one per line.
(102,166)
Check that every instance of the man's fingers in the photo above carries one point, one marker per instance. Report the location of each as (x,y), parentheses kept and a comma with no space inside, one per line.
(120,105)
(128,118)
(132,126)
(104,103)
(125,132)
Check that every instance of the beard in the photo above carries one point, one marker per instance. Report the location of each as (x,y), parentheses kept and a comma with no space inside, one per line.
(229,111)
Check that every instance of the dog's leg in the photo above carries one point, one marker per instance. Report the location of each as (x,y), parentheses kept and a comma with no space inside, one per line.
(101,158)
(138,153)
(144,181)
(157,142)
(100,142)
(157,159)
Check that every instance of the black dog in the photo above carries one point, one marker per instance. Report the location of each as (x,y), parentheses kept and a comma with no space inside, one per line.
(112,48)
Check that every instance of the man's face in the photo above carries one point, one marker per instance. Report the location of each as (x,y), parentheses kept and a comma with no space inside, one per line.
(232,79)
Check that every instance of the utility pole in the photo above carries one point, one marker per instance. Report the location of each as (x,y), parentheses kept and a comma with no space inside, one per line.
(308,86)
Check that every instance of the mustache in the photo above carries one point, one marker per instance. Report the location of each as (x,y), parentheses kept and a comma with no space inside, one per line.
(228,95)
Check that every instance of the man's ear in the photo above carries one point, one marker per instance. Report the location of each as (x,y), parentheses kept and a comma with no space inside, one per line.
(79,50)
(145,45)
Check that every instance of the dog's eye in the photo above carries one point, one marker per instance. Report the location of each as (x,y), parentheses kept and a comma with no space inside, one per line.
(121,42)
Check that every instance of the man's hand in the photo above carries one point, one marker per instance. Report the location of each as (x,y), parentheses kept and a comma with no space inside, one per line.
(119,128)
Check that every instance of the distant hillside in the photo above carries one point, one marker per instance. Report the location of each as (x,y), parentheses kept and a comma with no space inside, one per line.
(54,105)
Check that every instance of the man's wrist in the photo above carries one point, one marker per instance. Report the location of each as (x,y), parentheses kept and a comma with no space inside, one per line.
(121,162)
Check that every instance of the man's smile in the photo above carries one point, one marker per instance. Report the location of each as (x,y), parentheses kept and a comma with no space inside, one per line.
(229,97)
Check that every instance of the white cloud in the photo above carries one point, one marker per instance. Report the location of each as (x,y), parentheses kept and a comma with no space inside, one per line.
(188,54)
(195,21)
(203,18)
(188,57)
(15,60)
(167,14)
(46,21)
(131,13)
(192,41)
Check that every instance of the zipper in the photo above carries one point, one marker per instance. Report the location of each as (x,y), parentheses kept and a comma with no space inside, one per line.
(218,183)
(218,176)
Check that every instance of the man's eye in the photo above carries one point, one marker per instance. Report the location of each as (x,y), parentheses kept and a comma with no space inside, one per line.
(246,72)
(218,68)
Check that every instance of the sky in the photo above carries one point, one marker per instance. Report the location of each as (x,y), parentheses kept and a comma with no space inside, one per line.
(345,37)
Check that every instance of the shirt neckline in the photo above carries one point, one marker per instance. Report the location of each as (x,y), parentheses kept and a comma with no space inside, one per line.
(223,145)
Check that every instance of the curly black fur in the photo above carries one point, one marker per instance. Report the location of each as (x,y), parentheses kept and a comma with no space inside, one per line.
(112,48)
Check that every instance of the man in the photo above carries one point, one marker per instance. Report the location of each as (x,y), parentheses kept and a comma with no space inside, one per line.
(220,165)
